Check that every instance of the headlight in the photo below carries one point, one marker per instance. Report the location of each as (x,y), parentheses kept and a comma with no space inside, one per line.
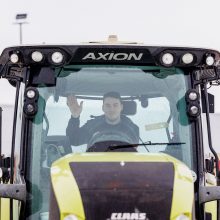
(70,217)
(182,217)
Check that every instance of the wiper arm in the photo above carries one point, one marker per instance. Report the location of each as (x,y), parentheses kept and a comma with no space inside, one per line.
(114,147)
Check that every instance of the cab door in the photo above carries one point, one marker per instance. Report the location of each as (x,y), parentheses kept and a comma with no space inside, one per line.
(10,208)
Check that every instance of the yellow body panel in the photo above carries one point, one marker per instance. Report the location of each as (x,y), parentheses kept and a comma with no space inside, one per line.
(183,191)
(211,207)
(4,209)
(63,180)
(16,209)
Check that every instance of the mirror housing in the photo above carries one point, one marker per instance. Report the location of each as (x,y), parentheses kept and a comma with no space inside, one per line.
(210,165)
(211,99)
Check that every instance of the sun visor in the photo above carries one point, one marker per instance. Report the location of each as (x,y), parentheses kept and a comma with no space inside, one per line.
(97,81)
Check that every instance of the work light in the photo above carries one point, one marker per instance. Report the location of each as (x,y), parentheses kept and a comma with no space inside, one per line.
(14,58)
(31,93)
(192,95)
(30,108)
(57,57)
(194,110)
(187,58)
(167,59)
(37,56)
(210,60)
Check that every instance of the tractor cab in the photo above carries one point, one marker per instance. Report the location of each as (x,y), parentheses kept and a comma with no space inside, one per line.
(135,148)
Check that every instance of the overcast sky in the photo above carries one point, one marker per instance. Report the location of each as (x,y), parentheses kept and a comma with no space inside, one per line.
(157,22)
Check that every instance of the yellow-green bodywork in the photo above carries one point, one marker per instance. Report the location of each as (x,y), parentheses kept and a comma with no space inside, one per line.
(63,180)
(4,209)
(211,207)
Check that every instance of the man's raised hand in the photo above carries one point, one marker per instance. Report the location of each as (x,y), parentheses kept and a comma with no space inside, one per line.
(74,106)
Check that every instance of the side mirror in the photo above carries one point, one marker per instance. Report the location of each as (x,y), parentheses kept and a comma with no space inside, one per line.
(5,161)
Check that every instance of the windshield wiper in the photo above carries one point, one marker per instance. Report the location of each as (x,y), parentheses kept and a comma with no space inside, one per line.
(114,147)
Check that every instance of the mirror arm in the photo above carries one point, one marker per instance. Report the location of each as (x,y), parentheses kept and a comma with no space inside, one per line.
(209,193)
(13,191)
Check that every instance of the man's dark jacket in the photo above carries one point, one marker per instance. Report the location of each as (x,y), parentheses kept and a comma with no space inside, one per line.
(99,127)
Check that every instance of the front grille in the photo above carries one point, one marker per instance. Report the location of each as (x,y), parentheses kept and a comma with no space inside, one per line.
(135,187)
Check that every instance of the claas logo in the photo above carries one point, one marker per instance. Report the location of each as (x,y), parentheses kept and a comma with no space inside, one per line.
(129,216)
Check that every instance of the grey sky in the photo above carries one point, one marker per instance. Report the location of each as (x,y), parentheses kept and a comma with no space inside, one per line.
(156,22)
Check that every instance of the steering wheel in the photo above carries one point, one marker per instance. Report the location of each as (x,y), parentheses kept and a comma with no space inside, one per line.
(100,141)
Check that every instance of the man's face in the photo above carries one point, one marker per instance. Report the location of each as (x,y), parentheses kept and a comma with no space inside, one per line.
(112,108)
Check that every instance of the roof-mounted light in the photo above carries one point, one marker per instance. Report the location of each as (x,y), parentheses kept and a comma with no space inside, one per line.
(57,57)
(210,60)
(167,59)
(37,56)
(14,58)
(187,58)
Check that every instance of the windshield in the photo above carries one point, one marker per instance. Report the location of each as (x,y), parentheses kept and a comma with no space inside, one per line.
(108,109)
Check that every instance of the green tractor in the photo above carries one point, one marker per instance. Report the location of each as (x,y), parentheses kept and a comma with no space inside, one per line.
(137,156)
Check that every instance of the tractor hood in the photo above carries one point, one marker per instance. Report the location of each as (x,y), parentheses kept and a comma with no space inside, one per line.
(116,186)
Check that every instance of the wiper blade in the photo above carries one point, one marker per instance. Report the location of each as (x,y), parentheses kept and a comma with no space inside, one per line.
(114,147)
(162,143)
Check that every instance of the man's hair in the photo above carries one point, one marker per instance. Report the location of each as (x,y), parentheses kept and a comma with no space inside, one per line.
(115,95)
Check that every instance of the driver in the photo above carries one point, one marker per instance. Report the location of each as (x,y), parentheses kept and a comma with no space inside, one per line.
(111,121)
